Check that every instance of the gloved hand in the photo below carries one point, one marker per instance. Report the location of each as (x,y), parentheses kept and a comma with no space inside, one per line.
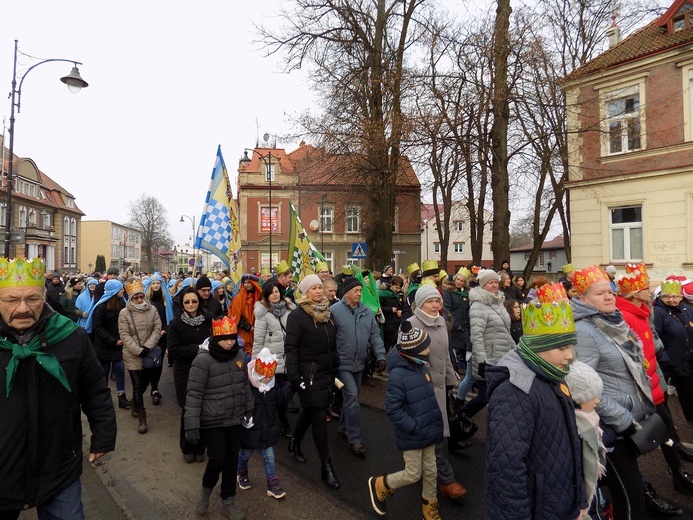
(85,314)
(247,422)
(192,436)
(298,386)
(380,366)
(145,351)
(628,431)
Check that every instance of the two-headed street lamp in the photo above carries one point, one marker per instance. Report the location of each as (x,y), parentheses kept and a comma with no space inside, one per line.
(194,240)
(74,83)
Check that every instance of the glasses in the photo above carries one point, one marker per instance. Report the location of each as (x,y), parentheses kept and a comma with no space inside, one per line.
(190,302)
(206,289)
(31,301)
(138,297)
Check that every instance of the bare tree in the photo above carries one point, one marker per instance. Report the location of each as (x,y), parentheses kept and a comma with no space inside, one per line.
(148,216)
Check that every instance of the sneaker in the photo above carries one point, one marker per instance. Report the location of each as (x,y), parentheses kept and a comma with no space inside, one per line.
(379,494)
(243,480)
(274,490)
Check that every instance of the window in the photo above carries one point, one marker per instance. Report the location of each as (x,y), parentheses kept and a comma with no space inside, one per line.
(625,231)
(541,258)
(351,220)
(395,221)
(25,187)
(436,247)
(269,172)
(623,120)
(682,19)
(552,255)
(326,219)
(459,247)
(45,220)
(458,225)
(22,216)
(328,259)
(3,215)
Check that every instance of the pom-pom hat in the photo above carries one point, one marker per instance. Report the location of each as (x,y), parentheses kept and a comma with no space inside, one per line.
(412,341)
(485,276)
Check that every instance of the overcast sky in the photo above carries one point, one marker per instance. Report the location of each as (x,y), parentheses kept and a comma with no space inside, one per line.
(168,82)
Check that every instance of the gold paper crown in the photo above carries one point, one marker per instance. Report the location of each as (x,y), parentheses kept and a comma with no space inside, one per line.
(584,278)
(413,267)
(476,269)
(670,287)
(134,287)
(224,327)
(631,268)
(430,265)
(634,280)
(321,266)
(551,314)
(265,271)
(265,369)
(347,270)
(21,272)
(442,275)
(282,267)
(430,282)
(568,268)
(464,272)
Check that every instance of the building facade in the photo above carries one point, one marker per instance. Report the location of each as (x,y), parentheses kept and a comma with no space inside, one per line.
(630,118)
(120,245)
(551,258)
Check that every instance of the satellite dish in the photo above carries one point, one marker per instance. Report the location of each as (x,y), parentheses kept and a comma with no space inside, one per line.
(314,225)
(266,137)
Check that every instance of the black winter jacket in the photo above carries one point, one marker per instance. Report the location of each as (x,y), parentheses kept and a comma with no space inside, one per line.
(41,433)
(311,357)
(105,329)
(265,430)
(183,342)
(389,301)
(456,305)
(674,326)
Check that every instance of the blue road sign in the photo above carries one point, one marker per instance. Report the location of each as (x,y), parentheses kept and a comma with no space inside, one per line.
(358,250)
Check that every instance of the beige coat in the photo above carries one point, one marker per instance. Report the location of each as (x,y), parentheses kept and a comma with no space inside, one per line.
(148,326)
(442,373)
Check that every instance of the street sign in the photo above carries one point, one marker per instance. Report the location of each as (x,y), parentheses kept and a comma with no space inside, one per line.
(191,262)
(358,250)
(199,263)
(399,252)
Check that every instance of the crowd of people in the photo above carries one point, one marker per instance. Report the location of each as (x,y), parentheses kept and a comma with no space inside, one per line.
(573,374)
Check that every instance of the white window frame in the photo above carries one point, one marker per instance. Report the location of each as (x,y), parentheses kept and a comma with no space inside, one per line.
(458,225)
(436,248)
(458,250)
(327,219)
(626,228)
(611,92)
(352,222)
(395,220)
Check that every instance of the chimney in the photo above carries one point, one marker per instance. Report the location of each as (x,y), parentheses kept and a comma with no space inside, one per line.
(613,32)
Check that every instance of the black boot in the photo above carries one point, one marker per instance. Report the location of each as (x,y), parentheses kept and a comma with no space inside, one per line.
(469,428)
(327,474)
(684,452)
(683,481)
(285,430)
(295,448)
(123,402)
(455,446)
(658,505)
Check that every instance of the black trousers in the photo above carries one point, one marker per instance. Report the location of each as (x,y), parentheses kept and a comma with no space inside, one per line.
(684,391)
(140,381)
(280,381)
(315,418)
(625,482)
(223,445)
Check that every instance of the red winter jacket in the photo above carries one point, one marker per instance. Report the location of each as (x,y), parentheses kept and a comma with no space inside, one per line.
(638,319)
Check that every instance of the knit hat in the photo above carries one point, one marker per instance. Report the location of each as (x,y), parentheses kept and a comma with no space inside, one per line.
(74,281)
(308,282)
(610,269)
(202,283)
(584,383)
(412,341)
(424,293)
(113,270)
(349,283)
(485,276)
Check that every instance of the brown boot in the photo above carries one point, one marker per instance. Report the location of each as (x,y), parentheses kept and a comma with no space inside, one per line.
(429,508)
(380,492)
(143,422)
(453,490)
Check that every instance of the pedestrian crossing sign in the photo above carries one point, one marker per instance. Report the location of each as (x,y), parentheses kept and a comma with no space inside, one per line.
(358,250)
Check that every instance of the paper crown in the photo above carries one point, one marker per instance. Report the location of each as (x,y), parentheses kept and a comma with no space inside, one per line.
(568,268)
(224,327)
(282,267)
(321,266)
(134,287)
(634,280)
(429,267)
(670,287)
(430,282)
(631,268)
(550,313)
(584,278)
(475,269)
(21,272)
(442,275)
(347,270)
(466,273)
(266,363)
(264,271)
(411,268)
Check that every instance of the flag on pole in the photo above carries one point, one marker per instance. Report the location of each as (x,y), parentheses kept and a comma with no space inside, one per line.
(235,260)
(215,231)
(302,252)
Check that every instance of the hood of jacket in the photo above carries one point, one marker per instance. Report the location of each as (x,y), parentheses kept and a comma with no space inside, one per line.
(581,310)
(395,360)
(260,310)
(477,294)
(510,366)
(627,306)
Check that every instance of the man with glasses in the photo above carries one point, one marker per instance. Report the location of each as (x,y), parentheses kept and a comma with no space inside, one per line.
(211,306)
(51,372)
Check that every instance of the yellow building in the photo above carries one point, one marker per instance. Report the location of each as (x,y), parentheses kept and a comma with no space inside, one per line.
(120,245)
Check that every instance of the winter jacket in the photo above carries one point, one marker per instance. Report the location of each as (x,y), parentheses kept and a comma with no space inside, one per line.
(389,301)
(356,331)
(638,319)
(138,328)
(219,393)
(442,372)
(456,305)
(490,328)
(270,332)
(311,358)
(106,335)
(674,326)
(410,404)
(41,434)
(67,302)
(183,343)
(265,430)
(533,452)
(627,396)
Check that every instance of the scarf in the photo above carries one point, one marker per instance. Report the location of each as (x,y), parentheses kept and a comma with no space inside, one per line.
(551,371)
(56,329)
(320,311)
(221,354)
(278,309)
(614,327)
(386,293)
(193,321)
(418,360)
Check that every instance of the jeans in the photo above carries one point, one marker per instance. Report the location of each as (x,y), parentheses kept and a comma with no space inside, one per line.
(350,419)
(65,505)
(477,404)
(466,384)
(267,455)
(223,445)
(119,370)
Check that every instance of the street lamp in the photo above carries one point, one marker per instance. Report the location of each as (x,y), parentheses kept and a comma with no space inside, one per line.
(74,83)
(194,240)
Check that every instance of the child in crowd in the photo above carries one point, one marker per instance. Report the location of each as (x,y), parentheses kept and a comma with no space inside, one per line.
(586,388)
(264,433)
(411,406)
(219,404)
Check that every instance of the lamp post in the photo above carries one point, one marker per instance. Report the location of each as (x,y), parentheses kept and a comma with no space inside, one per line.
(194,240)
(269,174)
(74,83)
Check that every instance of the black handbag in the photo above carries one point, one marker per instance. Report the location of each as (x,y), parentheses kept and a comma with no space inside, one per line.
(153,359)
(653,433)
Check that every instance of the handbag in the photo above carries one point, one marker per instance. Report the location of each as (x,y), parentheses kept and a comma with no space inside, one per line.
(153,358)
(652,434)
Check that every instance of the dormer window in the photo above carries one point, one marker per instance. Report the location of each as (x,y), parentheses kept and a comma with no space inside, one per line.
(682,19)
